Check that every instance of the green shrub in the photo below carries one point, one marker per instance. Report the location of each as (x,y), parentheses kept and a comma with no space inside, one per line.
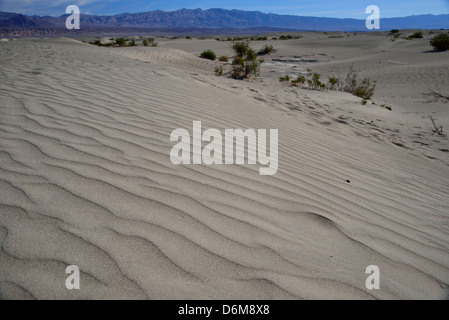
(284,80)
(208,54)
(145,43)
(333,82)
(394,34)
(224,59)
(188,37)
(245,64)
(97,43)
(267,49)
(132,44)
(440,42)
(121,42)
(315,82)
(219,70)
(365,89)
(154,44)
(299,80)
(416,35)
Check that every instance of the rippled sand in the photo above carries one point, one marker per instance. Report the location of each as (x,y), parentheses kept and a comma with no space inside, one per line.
(86,178)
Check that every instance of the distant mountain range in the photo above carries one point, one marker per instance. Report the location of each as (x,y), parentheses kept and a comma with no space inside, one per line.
(217,19)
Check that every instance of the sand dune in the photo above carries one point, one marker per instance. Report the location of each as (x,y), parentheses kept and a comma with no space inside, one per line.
(86,177)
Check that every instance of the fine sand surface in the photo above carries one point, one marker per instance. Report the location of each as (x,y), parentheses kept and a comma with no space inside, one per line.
(86,177)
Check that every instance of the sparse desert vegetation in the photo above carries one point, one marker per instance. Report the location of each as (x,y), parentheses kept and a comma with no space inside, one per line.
(208,54)
(435,95)
(245,64)
(416,35)
(436,128)
(440,42)
(394,34)
(362,88)
(267,49)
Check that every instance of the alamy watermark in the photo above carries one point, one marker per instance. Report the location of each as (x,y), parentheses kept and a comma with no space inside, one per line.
(373,21)
(73,21)
(213,152)
(373,281)
(72,281)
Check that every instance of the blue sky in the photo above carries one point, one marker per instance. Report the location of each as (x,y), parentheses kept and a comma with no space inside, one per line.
(327,8)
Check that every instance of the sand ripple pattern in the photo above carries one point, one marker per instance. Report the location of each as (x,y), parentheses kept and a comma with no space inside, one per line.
(86,179)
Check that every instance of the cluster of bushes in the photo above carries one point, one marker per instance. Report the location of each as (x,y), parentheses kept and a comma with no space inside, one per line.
(338,36)
(245,64)
(211,55)
(290,37)
(439,42)
(122,42)
(150,42)
(362,88)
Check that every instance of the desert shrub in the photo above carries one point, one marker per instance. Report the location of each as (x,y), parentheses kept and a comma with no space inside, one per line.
(121,42)
(267,49)
(97,43)
(436,128)
(435,95)
(416,35)
(289,37)
(364,101)
(245,64)
(440,42)
(240,47)
(132,44)
(340,35)
(208,54)
(261,38)
(274,38)
(365,89)
(188,37)
(219,70)
(154,44)
(386,107)
(224,59)
(299,80)
(394,34)
(315,82)
(333,82)
(284,80)
(145,43)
